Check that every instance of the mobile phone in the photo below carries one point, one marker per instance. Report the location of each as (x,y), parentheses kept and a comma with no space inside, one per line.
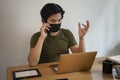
(47,31)
(63,79)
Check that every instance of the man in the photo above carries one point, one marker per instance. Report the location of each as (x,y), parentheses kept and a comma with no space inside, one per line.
(52,40)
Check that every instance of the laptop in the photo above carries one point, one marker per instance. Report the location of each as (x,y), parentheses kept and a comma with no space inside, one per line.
(75,62)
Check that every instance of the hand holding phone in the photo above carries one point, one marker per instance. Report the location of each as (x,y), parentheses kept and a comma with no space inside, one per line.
(44,29)
(47,31)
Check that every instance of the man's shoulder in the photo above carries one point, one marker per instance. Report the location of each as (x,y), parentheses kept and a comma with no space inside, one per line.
(36,34)
(65,30)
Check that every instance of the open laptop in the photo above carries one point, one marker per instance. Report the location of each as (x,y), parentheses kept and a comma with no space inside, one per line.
(75,62)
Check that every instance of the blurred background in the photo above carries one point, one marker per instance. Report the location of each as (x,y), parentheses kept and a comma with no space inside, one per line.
(20,19)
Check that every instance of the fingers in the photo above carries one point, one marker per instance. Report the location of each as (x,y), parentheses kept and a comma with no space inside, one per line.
(79,25)
(87,24)
(44,27)
(84,28)
(80,29)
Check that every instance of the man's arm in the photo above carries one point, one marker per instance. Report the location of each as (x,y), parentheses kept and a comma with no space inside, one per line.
(82,31)
(34,53)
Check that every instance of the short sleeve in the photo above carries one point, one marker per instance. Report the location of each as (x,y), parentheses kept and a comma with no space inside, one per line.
(72,40)
(34,39)
(69,35)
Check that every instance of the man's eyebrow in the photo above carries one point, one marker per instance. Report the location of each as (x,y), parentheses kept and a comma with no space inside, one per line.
(55,20)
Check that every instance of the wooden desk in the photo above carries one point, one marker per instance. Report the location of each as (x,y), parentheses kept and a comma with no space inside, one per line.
(48,74)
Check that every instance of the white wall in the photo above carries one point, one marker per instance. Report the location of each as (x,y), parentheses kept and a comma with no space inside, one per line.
(19,19)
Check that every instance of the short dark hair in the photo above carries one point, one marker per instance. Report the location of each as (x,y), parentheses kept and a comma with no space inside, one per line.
(50,9)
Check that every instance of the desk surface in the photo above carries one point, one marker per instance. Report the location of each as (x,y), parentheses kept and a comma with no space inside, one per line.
(48,74)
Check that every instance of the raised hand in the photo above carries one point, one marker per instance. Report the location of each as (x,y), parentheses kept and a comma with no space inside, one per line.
(82,30)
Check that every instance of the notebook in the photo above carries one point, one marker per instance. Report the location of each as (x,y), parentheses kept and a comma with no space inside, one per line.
(115,58)
(75,62)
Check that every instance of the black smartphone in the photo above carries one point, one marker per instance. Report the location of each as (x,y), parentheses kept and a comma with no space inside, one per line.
(63,79)
(47,31)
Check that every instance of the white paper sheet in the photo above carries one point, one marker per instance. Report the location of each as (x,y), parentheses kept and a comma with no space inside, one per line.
(26,73)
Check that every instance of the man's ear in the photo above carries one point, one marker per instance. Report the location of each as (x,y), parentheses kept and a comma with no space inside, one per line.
(43,20)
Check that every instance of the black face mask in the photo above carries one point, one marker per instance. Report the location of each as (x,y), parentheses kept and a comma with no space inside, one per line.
(54,28)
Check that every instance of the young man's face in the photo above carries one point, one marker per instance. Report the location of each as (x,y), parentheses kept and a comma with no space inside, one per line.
(55,18)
